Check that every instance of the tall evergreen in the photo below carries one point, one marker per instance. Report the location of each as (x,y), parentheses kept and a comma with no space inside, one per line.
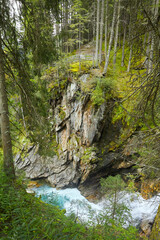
(4,113)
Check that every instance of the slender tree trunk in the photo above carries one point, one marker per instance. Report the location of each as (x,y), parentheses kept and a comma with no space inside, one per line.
(94,18)
(57,34)
(5,126)
(124,41)
(111,37)
(97,33)
(130,58)
(150,63)
(114,204)
(130,40)
(66,24)
(79,47)
(101,32)
(106,28)
(151,55)
(116,34)
(144,41)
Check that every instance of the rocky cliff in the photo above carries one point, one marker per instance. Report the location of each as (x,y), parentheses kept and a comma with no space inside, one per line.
(83,133)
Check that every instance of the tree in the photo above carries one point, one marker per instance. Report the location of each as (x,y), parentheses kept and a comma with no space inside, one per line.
(79,17)
(153,35)
(101,32)
(97,33)
(124,37)
(5,125)
(111,37)
(112,187)
(116,32)
(106,28)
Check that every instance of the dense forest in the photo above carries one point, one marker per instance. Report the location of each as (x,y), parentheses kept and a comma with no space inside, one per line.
(45,47)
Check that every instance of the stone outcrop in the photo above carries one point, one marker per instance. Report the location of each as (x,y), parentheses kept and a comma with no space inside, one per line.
(81,129)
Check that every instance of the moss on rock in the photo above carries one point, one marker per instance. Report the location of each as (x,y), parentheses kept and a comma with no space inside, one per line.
(155,235)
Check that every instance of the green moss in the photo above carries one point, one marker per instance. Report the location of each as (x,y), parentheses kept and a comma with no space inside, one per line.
(62,113)
(83,66)
(155,235)
(89,156)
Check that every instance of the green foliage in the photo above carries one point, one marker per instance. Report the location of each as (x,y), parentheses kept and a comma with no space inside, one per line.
(62,113)
(77,26)
(112,185)
(148,149)
(85,66)
(23,216)
(102,91)
(113,188)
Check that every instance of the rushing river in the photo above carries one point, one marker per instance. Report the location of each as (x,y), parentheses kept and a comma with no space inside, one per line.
(72,200)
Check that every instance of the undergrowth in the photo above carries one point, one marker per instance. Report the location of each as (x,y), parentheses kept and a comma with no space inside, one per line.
(22,216)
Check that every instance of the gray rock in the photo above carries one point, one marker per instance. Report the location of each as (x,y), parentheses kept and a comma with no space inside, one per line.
(146,227)
(80,128)
(30,191)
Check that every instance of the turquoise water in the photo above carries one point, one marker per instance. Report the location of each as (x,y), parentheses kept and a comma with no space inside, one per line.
(72,200)
(47,195)
(69,199)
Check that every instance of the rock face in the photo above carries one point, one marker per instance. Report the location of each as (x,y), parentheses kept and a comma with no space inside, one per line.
(80,129)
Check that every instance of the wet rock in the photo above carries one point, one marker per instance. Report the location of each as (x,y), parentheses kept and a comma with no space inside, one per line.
(30,191)
(146,227)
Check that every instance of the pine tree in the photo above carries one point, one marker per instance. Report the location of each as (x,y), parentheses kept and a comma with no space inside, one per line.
(5,125)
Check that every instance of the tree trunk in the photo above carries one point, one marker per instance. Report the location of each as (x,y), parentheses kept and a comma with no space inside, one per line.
(5,126)
(111,37)
(124,41)
(130,39)
(97,33)
(116,35)
(94,18)
(79,45)
(151,55)
(106,28)
(101,32)
(130,58)
(66,25)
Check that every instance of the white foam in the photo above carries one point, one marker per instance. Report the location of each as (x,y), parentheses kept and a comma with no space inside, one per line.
(72,200)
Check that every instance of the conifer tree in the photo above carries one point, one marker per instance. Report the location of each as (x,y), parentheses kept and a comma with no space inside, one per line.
(4,113)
